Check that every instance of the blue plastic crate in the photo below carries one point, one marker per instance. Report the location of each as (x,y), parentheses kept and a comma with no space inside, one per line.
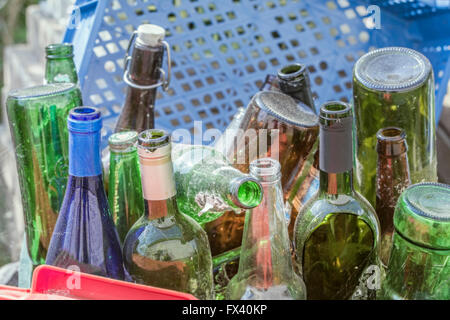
(222,50)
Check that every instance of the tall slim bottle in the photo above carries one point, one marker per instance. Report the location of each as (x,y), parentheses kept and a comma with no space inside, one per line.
(85,236)
(394,87)
(60,67)
(337,231)
(392,179)
(125,189)
(265,268)
(144,72)
(166,248)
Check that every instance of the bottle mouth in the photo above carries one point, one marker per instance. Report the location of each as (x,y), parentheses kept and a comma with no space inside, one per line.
(123,141)
(153,138)
(391,134)
(291,71)
(84,120)
(84,114)
(266,169)
(247,192)
(335,110)
(59,50)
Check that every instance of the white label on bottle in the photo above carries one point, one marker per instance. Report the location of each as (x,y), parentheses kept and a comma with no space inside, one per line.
(158,181)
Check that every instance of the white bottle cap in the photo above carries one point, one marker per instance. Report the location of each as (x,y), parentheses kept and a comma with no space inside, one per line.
(150,34)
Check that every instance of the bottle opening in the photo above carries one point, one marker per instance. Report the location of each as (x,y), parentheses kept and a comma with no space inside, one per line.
(291,71)
(84,114)
(249,194)
(153,138)
(266,169)
(335,110)
(391,134)
(123,141)
(59,50)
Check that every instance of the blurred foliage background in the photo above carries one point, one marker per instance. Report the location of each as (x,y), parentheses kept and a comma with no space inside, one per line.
(12,25)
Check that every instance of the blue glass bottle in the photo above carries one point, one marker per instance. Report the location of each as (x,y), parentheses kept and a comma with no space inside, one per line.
(85,237)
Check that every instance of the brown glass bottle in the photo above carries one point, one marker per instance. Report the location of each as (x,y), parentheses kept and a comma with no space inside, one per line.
(392,178)
(293,80)
(144,71)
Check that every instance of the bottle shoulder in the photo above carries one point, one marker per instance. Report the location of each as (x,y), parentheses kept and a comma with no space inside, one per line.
(172,233)
(321,206)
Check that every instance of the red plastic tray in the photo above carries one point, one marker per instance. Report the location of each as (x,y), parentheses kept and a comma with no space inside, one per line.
(52,283)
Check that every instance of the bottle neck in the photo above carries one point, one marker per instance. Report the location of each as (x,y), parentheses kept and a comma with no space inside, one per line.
(336,183)
(265,253)
(158,183)
(238,189)
(335,159)
(84,154)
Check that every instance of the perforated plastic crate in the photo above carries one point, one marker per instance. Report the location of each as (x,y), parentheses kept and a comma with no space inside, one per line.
(222,50)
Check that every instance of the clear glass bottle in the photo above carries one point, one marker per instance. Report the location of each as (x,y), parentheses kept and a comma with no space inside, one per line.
(60,67)
(392,179)
(336,232)
(419,265)
(38,123)
(138,112)
(265,268)
(166,248)
(125,189)
(208,186)
(85,236)
(394,87)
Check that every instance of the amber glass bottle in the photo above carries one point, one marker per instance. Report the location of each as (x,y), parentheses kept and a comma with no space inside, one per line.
(392,179)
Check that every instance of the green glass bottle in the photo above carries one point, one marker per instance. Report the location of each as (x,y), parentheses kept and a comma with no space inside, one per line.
(208,186)
(166,248)
(125,198)
(60,67)
(394,87)
(336,233)
(38,123)
(419,265)
(265,268)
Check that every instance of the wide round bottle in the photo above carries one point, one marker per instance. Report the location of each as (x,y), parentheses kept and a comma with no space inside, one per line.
(166,248)
(38,123)
(394,87)
(419,265)
(336,233)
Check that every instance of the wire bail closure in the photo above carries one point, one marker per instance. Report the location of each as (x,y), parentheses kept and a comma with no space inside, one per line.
(164,82)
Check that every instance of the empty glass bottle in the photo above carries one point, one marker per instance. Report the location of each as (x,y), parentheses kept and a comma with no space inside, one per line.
(85,238)
(208,186)
(337,232)
(392,179)
(38,123)
(265,268)
(60,67)
(166,248)
(143,78)
(419,265)
(394,87)
(293,80)
(125,189)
